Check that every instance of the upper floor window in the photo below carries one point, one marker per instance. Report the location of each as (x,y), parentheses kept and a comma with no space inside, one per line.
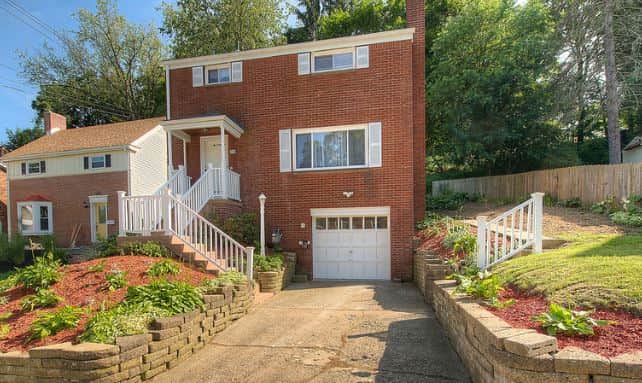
(35,217)
(218,75)
(29,168)
(330,148)
(325,61)
(97,162)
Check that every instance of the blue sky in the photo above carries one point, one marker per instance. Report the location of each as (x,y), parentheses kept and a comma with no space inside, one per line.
(15,35)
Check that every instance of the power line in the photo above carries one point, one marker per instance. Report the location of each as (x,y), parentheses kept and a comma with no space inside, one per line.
(30,25)
(13,88)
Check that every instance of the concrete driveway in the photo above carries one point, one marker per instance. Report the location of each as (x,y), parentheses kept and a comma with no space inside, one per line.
(330,332)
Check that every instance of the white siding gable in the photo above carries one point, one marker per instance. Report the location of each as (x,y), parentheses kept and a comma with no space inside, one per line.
(149,164)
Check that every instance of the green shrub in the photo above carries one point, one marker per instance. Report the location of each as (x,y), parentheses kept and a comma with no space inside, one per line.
(164,267)
(12,250)
(485,286)
(268,263)
(122,320)
(461,241)
(574,202)
(4,300)
(116,279)
(4,330)
(227,278)
(561,320)
(8,281)
(627,219)
(447,200)
(98,267)
(42,274)
(632,204)
(174,297)
(243,227)
(607,206)
(42,298)
(48,243)
(150,249)
(107,247)
(51,323)
(549,200)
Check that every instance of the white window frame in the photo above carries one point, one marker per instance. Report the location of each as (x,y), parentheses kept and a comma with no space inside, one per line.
(346,128)
(35,211)
(91,162)
(227,66)
(28,165)
(333,52)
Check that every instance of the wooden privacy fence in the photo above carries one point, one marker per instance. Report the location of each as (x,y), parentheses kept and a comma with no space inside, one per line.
(591,183)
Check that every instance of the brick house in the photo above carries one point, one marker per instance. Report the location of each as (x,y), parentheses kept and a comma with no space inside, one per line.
(331,131)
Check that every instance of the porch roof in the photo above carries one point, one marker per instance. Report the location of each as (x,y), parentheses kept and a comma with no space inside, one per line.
(203,122)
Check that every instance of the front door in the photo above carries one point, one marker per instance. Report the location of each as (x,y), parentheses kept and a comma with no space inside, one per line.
(211,151)
(98,219)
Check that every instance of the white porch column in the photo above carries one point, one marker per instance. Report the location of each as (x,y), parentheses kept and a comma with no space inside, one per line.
(223,164)
(262,199)
(170,159)
(184,153)
(121,213)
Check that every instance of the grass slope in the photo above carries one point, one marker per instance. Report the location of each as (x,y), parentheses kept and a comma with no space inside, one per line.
(594,271)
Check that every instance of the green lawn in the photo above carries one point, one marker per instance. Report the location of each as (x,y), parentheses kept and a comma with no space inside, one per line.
(593,271)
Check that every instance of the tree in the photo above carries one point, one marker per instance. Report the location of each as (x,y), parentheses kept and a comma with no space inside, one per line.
(204,27)
(20,137)
(109,70)
(308,13)
(361,17)
(610,74)
(490,92)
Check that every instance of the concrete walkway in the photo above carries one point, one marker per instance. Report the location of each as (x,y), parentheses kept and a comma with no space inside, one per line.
(330,332)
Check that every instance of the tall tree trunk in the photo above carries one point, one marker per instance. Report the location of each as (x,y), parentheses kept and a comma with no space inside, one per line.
(612,101)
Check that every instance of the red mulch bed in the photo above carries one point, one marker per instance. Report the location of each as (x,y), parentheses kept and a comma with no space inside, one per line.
(622,337)
(433,243)
(82,288)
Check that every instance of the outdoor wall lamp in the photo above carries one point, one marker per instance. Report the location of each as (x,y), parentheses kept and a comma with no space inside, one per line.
(348,194)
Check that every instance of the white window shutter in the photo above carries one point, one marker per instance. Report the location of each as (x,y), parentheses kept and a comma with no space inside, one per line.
(285,150)
(237,71)
(304,63)
(363,56)
(197,76)
(374,144)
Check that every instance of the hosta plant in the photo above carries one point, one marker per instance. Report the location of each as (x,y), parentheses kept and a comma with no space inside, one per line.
(42,274)
(162,268)
(42,298)
(51,323)
(485,286)
(122,320)
(560,320)
(174,297)
(116,279)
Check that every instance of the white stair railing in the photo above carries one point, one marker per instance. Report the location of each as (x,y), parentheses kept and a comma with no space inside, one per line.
(214,183)
(511,232)
(178,182)
(168,214)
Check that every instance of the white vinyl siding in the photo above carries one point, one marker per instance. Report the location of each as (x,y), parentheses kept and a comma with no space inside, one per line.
(68,165)
(149,163)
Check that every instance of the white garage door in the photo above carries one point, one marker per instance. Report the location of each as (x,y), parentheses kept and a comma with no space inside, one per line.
(351,243)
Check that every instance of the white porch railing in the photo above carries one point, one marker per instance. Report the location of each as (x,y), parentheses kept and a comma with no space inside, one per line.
(510,233)
(214,183)
(178,182)
(165,213)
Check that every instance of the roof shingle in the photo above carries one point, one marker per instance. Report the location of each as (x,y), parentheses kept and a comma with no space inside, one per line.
(99,136)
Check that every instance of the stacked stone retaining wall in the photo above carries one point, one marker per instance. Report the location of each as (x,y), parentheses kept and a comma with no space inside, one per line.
(133,358)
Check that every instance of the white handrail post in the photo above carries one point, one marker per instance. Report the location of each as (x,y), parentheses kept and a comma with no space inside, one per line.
(538,220)
(210,181)
(262,199)
(181,180)
(249,253)
(166,213)
(481,242)
(121,213)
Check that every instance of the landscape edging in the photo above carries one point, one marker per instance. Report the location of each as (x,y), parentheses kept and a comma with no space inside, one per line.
(133,358)
(494,351)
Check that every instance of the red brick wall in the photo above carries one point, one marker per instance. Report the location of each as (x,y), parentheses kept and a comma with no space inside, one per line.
(273,96)
(416,17)
(3,199)
(68,195)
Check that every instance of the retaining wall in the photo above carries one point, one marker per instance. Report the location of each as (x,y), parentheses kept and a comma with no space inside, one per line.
(133,358)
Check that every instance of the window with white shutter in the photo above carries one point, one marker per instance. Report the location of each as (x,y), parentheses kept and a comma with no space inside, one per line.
(237,71)
(197,76)
(285,150)
(304,63)
(374,143)
(363,56)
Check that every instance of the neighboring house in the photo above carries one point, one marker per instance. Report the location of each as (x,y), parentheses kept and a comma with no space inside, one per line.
(67,180)
(633,151)
(331,131)
(3,198)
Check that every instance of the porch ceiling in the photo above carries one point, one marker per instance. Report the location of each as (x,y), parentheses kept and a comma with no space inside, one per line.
(177,127)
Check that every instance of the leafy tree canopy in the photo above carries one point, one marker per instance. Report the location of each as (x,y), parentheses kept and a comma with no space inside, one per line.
(109,70)
(203,27)
(20,137)
(366,16)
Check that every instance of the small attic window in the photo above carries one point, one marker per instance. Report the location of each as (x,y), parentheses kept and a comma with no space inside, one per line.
(218,75)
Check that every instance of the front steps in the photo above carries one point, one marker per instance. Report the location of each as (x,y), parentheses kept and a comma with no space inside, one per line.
(178,248)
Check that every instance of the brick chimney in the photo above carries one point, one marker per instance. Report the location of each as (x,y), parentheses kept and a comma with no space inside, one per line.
(416,18)
(54,122)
